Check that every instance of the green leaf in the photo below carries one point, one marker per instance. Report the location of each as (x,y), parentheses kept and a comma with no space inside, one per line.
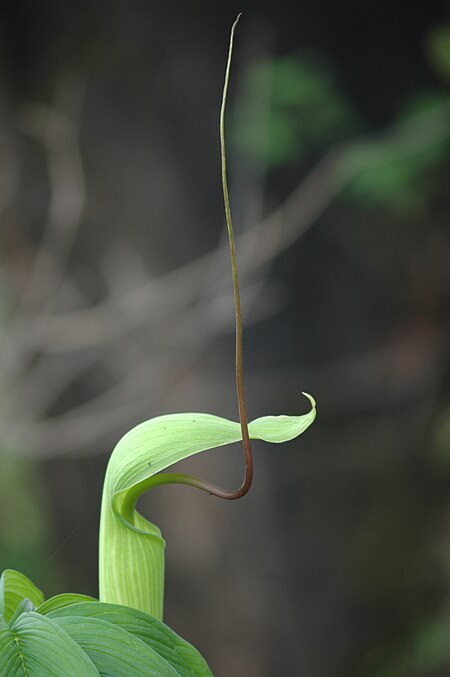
(35,646)
(430,646)
(292,107)
(14,587)
(113,650)
(438,45)
(176,651)
(61,601)
(390,170)
(131,548)
(23,607)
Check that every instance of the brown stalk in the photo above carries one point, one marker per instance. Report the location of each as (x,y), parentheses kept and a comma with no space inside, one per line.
(190,480)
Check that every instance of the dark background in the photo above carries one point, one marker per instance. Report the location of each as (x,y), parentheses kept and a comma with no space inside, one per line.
(115,306)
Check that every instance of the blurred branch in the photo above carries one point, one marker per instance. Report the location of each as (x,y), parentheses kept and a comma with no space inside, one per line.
(171,292)
(147,324)
(407,367)
(257,245)
(59,137)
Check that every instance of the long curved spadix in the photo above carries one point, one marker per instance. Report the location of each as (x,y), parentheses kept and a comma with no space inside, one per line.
(131,548)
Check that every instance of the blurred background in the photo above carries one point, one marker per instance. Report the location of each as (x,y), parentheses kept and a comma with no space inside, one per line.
(116,306)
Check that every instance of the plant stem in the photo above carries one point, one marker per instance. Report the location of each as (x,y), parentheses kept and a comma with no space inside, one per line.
(237,299)
(191,480)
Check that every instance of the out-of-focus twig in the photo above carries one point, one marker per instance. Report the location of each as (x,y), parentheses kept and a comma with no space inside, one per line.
(155,320)
(59,137)
(257,245)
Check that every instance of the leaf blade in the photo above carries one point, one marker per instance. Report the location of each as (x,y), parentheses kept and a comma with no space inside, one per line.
(113,650)
(63,600)
(14,587)
(174,649)
(35,645)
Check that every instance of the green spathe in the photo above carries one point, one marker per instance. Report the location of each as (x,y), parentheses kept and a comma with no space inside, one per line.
(131,548)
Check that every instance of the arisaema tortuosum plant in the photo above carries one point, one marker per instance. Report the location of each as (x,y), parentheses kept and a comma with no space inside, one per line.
(122,634)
